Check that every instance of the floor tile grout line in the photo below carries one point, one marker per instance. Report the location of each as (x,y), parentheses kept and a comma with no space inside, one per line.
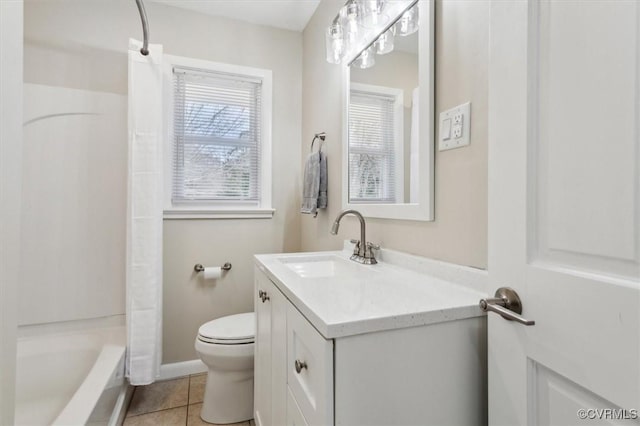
(186,418)
(189,392)
(157,411)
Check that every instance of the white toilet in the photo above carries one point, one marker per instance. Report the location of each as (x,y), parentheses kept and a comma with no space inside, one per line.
(226,346)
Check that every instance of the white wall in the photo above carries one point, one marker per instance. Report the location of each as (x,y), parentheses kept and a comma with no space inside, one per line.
(10,192)
(80,44)
(459,232)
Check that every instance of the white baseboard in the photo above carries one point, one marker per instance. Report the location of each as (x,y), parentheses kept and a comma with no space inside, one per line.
(182,369)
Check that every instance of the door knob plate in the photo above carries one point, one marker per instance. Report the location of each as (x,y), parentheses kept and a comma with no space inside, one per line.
(507,304)
(511,299)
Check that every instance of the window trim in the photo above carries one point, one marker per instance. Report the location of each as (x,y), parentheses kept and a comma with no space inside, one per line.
(218,209)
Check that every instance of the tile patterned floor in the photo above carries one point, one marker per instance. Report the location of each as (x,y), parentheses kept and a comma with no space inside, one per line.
(172,402)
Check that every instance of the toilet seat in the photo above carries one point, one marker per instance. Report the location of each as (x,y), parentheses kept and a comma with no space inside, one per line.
(230,330)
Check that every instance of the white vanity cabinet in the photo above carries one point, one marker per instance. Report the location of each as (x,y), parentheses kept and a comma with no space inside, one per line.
(433,374)
(283,389)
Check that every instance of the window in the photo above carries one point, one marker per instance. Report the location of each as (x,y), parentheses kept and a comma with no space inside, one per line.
(376,160)
(218,140)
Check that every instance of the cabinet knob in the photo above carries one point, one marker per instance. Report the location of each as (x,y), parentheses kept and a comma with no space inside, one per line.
(263,295)
(300,365)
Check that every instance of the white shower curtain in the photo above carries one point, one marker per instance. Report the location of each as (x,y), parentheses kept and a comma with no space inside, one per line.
(144,216)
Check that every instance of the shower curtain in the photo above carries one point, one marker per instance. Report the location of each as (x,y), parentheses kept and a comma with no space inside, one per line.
(144,216)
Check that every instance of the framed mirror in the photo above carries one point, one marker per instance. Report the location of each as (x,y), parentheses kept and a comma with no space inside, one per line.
(388,130)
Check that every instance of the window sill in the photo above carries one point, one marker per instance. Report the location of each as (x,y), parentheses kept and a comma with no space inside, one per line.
(256,213)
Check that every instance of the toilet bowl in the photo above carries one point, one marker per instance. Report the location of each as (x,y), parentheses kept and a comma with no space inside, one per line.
(226,346)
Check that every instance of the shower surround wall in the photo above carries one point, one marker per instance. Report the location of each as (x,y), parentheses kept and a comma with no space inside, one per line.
(82,45)
(74,170)
(459,233)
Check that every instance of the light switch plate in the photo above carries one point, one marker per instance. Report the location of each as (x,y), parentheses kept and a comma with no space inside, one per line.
(454,128)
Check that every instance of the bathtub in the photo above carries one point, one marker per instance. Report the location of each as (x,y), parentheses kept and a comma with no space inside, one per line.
(71,373)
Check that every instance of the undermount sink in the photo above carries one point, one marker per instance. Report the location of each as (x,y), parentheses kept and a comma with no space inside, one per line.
(319,266)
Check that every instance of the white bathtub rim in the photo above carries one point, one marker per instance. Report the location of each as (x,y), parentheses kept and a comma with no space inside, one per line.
(103,336)
(79,408)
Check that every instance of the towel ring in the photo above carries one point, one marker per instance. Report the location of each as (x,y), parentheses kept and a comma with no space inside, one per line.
(320,136)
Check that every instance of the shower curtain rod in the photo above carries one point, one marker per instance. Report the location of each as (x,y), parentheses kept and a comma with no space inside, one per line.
(145,28)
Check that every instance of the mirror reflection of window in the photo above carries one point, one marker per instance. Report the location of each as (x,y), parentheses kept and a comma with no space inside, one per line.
(383,119)
(375,148)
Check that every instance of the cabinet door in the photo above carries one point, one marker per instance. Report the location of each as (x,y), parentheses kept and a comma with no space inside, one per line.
(309,369)
(262,359)
(294,415)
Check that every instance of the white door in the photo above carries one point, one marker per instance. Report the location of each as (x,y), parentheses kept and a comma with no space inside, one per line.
(564,209)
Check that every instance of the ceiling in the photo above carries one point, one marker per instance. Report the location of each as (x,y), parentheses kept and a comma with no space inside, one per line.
(286,14)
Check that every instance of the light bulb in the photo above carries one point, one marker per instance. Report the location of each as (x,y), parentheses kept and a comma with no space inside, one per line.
(384,44)
(372,16)
(408,22)
(366,59)
(352,10)
(334,43)
(352,13)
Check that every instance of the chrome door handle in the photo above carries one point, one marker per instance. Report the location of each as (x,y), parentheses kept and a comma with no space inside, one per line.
(506,303)
(300,365)
(263,295)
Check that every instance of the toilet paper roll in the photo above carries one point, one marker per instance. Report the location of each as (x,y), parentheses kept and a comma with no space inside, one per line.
(212,272)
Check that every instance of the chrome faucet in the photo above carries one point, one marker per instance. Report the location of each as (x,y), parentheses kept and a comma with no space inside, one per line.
(363,252)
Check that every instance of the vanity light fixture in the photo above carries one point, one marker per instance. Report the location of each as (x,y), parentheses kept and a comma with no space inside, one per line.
(357,17)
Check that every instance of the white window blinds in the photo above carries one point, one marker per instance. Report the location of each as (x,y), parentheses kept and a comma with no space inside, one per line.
(372,162)
(217,137)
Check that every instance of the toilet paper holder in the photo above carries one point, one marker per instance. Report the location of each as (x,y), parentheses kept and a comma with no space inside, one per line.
(199,268)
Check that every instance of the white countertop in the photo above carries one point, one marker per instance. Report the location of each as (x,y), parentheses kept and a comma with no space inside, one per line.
(367,298)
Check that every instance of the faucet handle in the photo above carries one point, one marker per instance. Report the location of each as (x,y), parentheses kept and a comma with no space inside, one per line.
(373,246)
(356,247)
